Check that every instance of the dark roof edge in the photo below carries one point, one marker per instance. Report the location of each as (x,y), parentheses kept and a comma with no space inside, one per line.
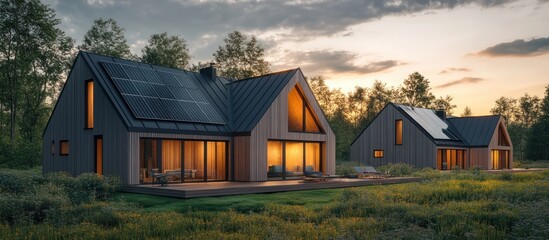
(268,74)
(178,131)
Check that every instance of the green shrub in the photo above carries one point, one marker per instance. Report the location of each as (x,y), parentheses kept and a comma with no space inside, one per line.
(505,176)
(14,181)
(397,170)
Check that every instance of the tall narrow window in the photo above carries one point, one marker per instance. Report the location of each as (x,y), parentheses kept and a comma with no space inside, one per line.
(99,155)
(64,147)
(89,104)
(52,148)
(398,132)
(300,115)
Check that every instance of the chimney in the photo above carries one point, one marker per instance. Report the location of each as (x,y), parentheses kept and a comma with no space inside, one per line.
(209,72)
(441,113)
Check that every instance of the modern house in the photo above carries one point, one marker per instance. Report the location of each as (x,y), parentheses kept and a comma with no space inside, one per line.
(428,138)
(133,120)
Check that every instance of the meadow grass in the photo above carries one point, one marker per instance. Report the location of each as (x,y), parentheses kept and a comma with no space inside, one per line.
(449,205)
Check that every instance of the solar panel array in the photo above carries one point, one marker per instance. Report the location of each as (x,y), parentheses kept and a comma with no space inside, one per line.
(427,118)
(158,95)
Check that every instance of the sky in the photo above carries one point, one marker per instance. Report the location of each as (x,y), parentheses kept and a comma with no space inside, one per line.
(473,50)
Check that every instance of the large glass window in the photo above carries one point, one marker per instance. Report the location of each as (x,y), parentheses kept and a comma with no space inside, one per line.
(300,116)
(171,160)
(148,159)
(294,158)
(216,161)
(500,159)
(89,104)
(287,159)
(502,139)
(450,158)
(274,159)
(194,161)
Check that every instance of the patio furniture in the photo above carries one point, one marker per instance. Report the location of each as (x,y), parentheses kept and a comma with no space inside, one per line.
(158,177)
(368,172)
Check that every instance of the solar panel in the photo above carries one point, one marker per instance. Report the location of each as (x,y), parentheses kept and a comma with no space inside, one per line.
(427,119)
(160,95)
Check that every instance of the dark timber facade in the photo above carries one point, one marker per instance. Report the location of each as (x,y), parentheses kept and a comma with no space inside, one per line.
(428,138)
(133,120)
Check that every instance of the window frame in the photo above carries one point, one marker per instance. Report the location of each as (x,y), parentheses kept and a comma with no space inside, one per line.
(304,108)
(86,105)
(61,142)
(397,121)
(379,150)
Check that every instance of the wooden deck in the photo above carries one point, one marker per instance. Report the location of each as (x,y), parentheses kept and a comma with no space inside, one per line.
(194,190)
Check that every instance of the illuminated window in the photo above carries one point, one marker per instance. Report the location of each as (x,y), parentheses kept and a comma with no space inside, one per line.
(89,104)
(502,139)
(398,132)
(378,153)
(300,116)
(64,147)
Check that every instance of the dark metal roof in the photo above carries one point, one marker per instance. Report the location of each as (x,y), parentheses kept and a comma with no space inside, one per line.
(477,131)
(453,131)
(237,105)
(253,96)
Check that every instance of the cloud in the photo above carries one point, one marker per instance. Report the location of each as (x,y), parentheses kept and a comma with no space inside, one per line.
(518,48)
(450,70)
(333,62)
(193,19)
(464,80)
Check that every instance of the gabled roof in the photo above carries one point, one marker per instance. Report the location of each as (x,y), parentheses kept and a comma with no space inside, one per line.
(238,105)
(451,131)
(477,131)
(253,96)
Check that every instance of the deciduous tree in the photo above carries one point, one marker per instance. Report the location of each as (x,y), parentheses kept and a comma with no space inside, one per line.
(241,57)
(417,91)
(168,51)
(107,38)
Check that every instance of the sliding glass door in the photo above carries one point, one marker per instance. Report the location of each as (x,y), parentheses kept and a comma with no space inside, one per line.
(182,160)
(293,159)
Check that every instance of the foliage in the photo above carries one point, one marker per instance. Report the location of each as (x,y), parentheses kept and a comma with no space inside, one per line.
(241,57)
(168,51)
(466,112)
(450,206)
(107,38)
(537,143)
(506,107)
(27,197)
(417,91)
(444,103)
(34,55)
(397,170)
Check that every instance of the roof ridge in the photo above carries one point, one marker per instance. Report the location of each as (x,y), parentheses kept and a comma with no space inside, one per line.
(265,75)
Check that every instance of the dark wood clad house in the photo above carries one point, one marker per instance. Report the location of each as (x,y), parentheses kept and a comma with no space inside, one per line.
(130,119)
(428,138)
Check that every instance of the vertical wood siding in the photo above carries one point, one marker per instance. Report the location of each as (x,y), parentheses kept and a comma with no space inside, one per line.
(494,145)
(416,149)
(274,125)
(68,121)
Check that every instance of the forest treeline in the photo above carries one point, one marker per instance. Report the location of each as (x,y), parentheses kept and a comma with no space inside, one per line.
(36,55)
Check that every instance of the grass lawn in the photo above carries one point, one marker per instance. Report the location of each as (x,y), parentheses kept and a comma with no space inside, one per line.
(449,205)
(534,164)
(241,203)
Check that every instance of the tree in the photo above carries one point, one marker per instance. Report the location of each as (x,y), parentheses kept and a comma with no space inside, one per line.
(168,51)
(378,97)
(528,110)
(241,58)
(34,55)
(357,106)
(537,143)
(467,112)
(445,103)
(416,91)
(505,107)
(107,38)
